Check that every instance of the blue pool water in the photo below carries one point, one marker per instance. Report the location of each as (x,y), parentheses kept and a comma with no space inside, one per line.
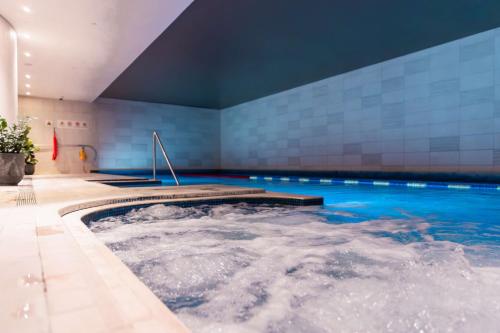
(372,259)
(465,216)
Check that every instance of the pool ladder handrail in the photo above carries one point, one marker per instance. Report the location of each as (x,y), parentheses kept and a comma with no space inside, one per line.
(157,140)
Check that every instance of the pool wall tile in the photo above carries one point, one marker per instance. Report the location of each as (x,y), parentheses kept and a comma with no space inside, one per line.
(476,157)
(445,158)
(482,141)
(435,110)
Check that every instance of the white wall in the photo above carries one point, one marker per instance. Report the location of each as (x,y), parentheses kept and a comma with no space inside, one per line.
(8,71)
(434,110)
(121,132)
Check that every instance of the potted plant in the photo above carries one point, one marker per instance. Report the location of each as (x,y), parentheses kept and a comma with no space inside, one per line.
(29,151)
(12,142)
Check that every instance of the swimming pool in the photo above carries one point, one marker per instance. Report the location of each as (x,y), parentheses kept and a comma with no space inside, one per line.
(477,212)
(393,259)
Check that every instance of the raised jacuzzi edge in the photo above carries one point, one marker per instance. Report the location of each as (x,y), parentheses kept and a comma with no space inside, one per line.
(254,195)
(111,271)
(120,209)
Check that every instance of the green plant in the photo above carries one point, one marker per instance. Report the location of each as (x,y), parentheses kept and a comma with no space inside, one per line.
(29,150)
(14,139)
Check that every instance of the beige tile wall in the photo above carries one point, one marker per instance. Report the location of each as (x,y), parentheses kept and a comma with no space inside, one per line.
(42,110)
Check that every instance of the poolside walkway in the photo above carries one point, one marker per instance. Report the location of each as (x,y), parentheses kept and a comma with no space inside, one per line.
(58,278)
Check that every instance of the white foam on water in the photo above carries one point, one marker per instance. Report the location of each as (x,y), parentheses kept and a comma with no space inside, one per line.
(243,268)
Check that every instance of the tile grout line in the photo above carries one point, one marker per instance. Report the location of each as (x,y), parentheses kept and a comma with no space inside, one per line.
(42,271)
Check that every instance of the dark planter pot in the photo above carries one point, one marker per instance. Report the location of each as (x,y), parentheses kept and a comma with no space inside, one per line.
(29,169)
(11,168)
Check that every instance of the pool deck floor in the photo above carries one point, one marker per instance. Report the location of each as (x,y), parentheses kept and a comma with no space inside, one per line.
(56,277)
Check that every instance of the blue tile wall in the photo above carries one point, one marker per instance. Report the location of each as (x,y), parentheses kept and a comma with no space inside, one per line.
(434,110)
(190,135)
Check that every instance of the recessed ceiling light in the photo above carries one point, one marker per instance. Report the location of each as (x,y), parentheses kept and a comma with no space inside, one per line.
(26,9)
(27,85)
(28,93)
(27,76)
(26,35)
(27,54)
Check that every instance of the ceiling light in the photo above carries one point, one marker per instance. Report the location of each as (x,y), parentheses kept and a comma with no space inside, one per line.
(28,93)
(27,85)
(27,54)
(26,9)
(27,76)
(25,35)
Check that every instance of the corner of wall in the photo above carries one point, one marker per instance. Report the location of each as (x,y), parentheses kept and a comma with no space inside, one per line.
(8,71)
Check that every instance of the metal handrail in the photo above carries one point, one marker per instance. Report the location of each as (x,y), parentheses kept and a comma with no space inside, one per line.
(84,146)
(156,139)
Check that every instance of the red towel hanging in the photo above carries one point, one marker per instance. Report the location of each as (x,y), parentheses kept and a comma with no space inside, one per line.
(54,146)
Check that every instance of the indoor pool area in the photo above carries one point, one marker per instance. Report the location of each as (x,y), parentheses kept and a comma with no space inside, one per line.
(388,254)
(249,166)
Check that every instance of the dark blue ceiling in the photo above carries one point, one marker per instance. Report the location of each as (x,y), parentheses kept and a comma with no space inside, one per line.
(220,53)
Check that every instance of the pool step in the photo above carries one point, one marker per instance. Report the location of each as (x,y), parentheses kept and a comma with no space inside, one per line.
(132,182)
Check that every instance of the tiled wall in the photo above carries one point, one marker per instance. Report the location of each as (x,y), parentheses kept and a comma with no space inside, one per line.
(434,110)
(190,135)
(121,132)
(41,110)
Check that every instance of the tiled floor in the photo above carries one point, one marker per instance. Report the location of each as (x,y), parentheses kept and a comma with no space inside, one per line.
(57,277)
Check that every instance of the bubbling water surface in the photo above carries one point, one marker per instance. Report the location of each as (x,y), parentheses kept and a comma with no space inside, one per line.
(263,268)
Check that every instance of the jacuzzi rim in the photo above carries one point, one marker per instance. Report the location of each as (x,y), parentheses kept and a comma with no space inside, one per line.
(122,209)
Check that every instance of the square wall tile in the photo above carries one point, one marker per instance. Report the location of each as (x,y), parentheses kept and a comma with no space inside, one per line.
(476,157)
